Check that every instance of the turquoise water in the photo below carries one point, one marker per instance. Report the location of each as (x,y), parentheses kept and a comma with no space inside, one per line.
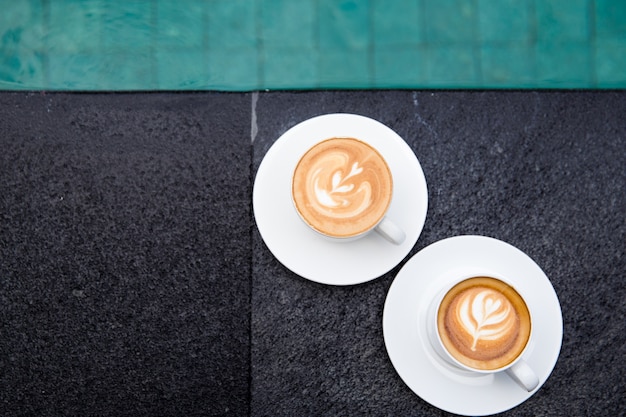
(240,45)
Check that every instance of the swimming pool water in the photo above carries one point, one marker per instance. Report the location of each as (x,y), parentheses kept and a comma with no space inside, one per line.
(241,45)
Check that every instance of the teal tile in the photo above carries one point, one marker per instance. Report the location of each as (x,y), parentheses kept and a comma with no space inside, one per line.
(86,71)
(397,22)
(22,69)
(75,26)
(452,66)
(131,69)
(22,52)
(343,24)
(287,23)
(128,25)
(562,20)
(507,66)
(10,67)
(504,20)
(182,69)
(345,68)
(565,65)
(181,27)
(450,21)
(399,67)
(610,63)
(126,70)
(290,68)
(231,24)
(233,69)
(242,45)
(610,19)
(21,26)
(19,13)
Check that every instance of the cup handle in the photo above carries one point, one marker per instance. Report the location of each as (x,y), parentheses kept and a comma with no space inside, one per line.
(523,375)
(387,229)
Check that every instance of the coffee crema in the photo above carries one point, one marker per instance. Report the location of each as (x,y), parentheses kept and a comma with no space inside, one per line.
(484,323)
(342,187)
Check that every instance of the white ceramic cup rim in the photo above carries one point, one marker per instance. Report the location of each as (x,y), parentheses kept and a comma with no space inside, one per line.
(434,333)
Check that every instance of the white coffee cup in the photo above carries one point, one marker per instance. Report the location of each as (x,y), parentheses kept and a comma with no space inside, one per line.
(342,188)
(476,310)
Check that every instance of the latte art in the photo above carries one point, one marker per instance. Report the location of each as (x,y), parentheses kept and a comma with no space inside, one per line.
(336,193)
(484,323)
(485,315)
(342,187)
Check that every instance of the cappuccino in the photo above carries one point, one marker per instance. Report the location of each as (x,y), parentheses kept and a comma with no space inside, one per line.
(342,187)
(483,323)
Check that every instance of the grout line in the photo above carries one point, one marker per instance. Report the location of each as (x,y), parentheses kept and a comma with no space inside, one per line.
(45,61)
(592,45)
(317,82)
(251,272)
(254,128)
(424,65)
(255,95)
(477,44)
(260,46)
(371,49)
(532,44)
(152,49)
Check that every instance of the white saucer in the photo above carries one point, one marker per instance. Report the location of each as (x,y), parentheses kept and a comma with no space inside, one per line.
(304,251)
(404,324)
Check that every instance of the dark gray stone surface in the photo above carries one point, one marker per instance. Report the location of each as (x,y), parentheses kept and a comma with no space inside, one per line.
(544,171)
(133,280)
(124,255)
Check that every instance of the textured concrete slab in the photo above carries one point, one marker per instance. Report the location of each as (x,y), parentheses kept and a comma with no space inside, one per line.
(543,171)
(133,280)
(124,254)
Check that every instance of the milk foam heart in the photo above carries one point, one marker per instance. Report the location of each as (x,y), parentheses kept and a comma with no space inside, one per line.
(485,314)
(484,323)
